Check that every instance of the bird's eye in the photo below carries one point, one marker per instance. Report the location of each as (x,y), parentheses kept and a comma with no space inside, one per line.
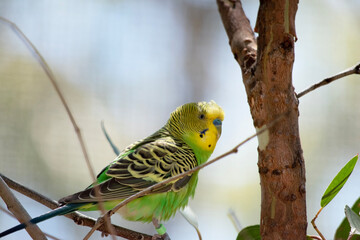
(202,116)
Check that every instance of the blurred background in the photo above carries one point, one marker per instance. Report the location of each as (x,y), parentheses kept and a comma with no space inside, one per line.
(131,63)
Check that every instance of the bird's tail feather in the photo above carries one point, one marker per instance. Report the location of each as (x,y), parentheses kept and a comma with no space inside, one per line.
(56,212)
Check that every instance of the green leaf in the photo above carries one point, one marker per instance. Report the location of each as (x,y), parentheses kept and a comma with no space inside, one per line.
(353,219)
(250,233)
(343,230)
(338,182)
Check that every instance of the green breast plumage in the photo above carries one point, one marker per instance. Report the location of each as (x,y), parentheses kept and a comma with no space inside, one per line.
(161,206)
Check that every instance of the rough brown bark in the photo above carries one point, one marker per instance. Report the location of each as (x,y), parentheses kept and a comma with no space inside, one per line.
(267,75)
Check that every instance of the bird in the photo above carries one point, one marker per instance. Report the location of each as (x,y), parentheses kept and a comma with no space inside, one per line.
(186,140)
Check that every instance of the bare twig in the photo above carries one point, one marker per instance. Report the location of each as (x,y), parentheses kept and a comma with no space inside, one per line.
(314,225)
(93,229)
(314,237)
(234,220)
(53,80)
(353,70)
(18,210)
(78,218)
(30,193)
(11,215)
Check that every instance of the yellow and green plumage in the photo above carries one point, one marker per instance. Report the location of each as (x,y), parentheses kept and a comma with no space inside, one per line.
(187,140)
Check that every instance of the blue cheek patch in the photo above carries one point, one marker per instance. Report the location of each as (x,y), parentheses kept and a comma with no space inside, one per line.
(202,133)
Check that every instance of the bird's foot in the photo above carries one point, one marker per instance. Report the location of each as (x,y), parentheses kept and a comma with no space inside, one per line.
(162,234)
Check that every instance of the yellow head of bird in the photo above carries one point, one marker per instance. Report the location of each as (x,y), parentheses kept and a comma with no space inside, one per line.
(198,124)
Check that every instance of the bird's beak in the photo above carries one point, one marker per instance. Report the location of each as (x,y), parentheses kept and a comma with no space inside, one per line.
(218,123)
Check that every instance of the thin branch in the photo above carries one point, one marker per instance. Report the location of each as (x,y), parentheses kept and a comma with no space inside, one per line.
(353,70)
(11,215)
(30,193)
(77,217)
(315,237)
(93,229)
(234,219)
(53,80)
(314,225)
(18,210)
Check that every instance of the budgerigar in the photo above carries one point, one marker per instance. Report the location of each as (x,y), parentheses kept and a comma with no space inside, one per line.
(186,141)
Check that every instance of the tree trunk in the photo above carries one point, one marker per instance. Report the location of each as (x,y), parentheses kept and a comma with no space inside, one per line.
(267,76)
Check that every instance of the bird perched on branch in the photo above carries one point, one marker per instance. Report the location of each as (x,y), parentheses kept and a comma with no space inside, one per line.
(186,141)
